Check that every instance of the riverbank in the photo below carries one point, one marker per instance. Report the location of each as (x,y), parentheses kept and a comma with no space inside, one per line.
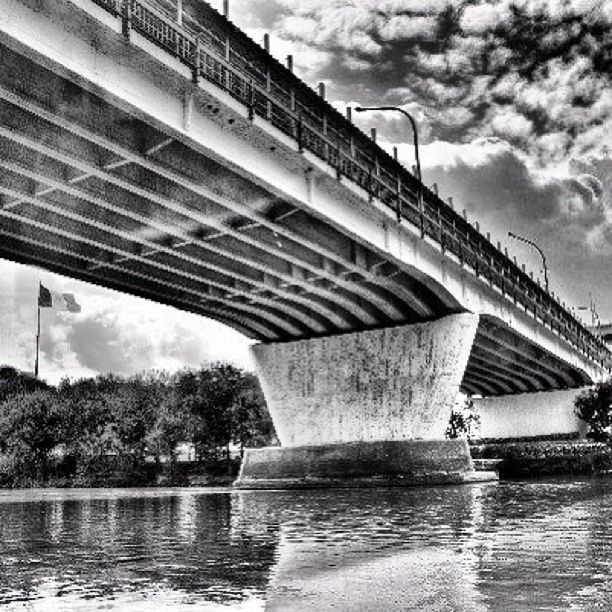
(111,472)
(541,458)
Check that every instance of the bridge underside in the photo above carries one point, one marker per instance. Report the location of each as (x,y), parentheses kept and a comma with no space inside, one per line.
(93,190)
(503,363)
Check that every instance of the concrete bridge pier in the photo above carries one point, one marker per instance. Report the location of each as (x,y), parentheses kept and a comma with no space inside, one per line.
(364,409)
(530,415)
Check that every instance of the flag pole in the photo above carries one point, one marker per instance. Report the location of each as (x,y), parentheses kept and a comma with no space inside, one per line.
(37,332)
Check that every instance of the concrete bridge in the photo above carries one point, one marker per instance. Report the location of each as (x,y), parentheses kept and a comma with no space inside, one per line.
(171,157)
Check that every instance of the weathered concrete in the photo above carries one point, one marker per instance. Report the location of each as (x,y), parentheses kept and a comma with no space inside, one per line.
(364,409)
(529,414)
(397,383)
(360,464)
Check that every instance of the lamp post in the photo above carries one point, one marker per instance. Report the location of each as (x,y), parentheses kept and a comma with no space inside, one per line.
(538,249)
(415,133)
(594,314)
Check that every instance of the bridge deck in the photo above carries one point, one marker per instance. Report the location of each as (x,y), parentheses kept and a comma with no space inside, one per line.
(90,189)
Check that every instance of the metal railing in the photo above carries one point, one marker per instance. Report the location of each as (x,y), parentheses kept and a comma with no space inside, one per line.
(219,52)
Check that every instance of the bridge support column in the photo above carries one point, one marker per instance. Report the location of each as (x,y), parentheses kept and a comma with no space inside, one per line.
(364,408)
(530,415)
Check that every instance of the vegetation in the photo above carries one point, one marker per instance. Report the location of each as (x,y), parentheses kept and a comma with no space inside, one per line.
(463,422)
(109,430)
(594,407)
(537,459)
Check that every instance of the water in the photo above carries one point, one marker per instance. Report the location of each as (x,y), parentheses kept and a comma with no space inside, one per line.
(507,546)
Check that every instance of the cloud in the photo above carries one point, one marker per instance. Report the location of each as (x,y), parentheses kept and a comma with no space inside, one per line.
(512,125)
(113,333)
(479,18)
(520,69)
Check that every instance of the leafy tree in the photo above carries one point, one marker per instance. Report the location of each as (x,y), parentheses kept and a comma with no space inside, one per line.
(174,424)
(12,382)
(594,407)
(229,408)
(105,426)
(252,425)
(29,425)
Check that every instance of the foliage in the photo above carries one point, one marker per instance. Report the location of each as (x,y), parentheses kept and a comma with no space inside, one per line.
(91,429)
(29,425)
(462,421)
(594,407)
(13,381)
(539,459)
(227,406)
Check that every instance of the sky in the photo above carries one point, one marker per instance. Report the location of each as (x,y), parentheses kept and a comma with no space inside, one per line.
(514,106)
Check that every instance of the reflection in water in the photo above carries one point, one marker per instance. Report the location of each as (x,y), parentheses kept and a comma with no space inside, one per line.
(485,547)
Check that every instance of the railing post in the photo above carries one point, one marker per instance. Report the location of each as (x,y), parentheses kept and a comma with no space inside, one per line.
(300,135)
(268,89)
(421,218)
(196,61)
(126,18)
(459,239)
(227,59)
(325,143)
(441,230)
(398,192)
(251,101)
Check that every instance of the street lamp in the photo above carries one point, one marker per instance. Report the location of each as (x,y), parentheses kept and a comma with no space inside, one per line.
(538,249)
(593,310)
(361,109)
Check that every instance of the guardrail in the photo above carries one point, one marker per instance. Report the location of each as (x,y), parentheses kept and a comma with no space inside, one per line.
(217,51)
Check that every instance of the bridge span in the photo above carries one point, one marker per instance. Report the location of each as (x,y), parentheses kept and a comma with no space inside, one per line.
(178,161)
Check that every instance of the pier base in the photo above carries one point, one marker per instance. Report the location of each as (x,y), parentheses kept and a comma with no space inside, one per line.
(365,408)
(360,464)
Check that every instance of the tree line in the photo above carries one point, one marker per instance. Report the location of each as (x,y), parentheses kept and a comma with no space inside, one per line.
(81,431)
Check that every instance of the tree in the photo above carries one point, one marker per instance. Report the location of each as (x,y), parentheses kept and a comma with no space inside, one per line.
(12,382)
(594,407)
(174,424)
(252,425)
(228,406)
(29,425)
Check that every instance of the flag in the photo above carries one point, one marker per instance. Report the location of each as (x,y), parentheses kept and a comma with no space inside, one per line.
(57,300)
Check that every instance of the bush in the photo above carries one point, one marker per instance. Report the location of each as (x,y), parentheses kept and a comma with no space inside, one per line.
(594,407)
(104,431)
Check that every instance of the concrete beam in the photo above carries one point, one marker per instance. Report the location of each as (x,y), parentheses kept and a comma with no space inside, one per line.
(57,258)
(132,156)
(322,313)
(280,320)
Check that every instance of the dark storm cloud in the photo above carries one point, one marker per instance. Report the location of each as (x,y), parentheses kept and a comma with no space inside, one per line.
(521,70)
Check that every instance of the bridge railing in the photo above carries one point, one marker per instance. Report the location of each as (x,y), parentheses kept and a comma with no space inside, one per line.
(219,52)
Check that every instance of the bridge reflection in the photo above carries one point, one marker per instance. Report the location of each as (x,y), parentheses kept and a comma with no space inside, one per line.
(520,546)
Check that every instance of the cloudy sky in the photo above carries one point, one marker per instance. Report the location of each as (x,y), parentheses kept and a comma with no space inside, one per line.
(514,105)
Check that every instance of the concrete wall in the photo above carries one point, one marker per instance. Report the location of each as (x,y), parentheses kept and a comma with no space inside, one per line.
(529,414)
(398,383)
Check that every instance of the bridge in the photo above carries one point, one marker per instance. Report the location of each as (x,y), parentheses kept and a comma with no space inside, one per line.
(169,156)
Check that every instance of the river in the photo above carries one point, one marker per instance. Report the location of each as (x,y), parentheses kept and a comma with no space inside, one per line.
(483,547)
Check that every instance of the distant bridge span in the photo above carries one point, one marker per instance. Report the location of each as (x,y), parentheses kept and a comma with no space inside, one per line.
(182,163)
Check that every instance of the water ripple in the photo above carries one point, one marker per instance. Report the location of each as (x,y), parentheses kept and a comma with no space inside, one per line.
(512,546)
